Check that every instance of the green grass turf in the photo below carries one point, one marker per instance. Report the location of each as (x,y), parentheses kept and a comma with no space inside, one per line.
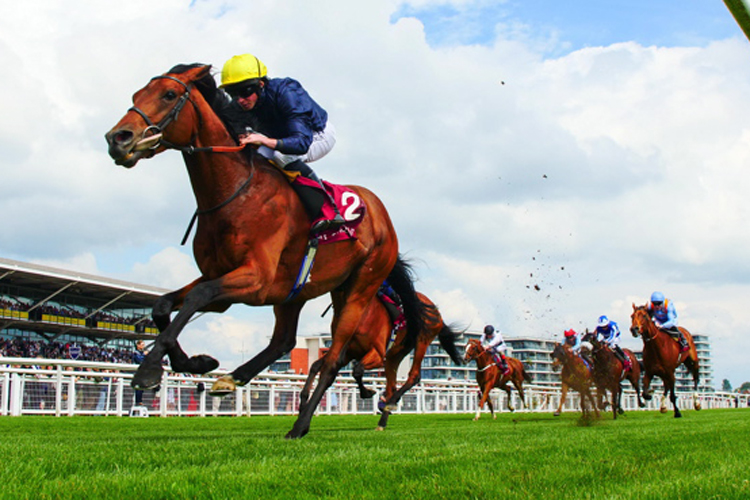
(642,455)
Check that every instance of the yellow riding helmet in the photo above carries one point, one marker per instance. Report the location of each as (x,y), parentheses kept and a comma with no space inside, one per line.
(241,68)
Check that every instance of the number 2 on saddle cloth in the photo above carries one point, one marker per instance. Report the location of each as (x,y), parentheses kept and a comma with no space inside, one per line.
(351,208)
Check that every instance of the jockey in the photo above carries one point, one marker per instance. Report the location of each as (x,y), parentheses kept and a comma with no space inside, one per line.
(492,341)
(575,341)
(288,122)
(664,316)
(608,332)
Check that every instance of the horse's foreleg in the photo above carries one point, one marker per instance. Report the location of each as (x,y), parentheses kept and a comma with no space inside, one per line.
(390,400)
(563,395)
(358,373)
(415,374)
(282,341)
(344,325)
(178,359)
(149,373)
(647,386)
(484,397)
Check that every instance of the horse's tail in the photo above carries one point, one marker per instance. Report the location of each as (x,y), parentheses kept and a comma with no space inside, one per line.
(526,375)
(402,280)
(447,338)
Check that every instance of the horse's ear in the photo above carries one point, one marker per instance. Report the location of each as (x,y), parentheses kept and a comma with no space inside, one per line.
(205,70)
(634,308)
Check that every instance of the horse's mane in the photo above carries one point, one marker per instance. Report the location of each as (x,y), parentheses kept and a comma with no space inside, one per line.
(211,93)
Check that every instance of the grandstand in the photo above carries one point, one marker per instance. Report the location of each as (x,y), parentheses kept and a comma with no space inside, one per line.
(40,303)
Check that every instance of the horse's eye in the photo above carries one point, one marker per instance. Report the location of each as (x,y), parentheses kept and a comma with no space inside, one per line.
(170,95)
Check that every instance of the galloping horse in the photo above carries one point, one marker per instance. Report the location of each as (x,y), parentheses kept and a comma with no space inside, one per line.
(576,374)
(251,237)
(662,356)
(489,376)
(369,349)
(609,373)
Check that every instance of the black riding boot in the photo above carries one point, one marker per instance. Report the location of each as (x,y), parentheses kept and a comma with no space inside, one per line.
(621,356)
(313,199)
(683,343)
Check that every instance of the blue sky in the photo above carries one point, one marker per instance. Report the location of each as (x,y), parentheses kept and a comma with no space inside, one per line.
(612,163)
(577,23)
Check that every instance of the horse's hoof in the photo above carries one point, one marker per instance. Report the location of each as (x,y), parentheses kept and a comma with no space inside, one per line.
(147,378)
(223,386)
(475,419)
(296,434)
(556,414)
(202,363)
(620,411)
(379,428)
(367,394)
(678,415)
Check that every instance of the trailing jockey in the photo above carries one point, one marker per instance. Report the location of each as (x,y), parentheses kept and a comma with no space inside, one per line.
(492,341)
(664,316)
(575,341)
(278,114)
(608,332)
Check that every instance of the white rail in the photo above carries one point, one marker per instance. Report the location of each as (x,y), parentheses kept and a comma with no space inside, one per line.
(68,388)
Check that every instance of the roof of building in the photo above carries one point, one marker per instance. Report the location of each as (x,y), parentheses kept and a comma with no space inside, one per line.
(48,282)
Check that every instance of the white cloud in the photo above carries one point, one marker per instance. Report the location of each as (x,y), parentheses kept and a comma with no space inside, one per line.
(170,268)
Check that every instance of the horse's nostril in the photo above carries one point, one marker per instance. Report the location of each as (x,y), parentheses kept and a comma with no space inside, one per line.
(123,137)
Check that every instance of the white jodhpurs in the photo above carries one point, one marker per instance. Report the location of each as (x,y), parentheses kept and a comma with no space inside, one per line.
(322,143)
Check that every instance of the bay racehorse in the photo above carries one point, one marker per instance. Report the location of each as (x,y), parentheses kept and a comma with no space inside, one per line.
(577,374)
(662,356)
(489,376)
(370,350)
(609,372)
(251,236)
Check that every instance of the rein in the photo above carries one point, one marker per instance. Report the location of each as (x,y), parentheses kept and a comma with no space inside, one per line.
(217,207)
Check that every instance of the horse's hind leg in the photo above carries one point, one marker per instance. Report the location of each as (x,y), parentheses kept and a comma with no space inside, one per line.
(508,397)
(519,388)
(305,392)
(415,373)
(673,397)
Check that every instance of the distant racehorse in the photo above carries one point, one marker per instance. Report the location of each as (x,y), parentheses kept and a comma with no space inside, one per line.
(609,373)
(662,356)
(369,349)
(489,376)
(576,373)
